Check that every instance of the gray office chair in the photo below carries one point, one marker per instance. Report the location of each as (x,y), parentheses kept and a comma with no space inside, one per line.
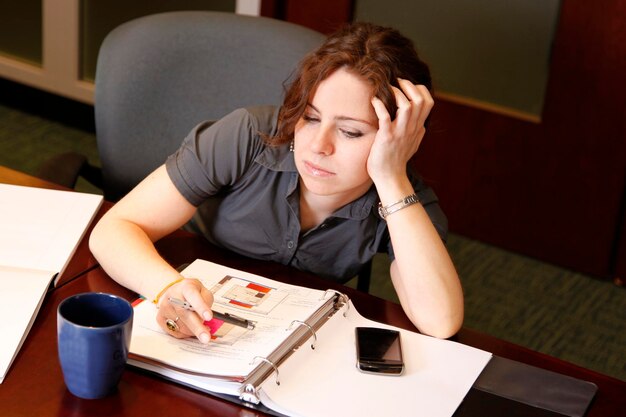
(158,76)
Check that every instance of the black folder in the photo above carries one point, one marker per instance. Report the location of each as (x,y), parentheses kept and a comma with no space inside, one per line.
(511,388)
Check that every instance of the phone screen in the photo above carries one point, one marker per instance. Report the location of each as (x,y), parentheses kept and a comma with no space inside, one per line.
(379,350)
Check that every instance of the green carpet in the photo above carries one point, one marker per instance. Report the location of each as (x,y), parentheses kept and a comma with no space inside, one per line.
(545,308)
(26,141)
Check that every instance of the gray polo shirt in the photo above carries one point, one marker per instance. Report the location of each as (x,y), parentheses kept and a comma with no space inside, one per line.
(247,195)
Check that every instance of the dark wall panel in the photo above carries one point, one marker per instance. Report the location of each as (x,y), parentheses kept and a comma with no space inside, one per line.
(551,190)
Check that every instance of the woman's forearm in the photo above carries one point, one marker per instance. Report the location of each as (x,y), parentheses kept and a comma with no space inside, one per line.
(128,255)
(423,273)
(123,240)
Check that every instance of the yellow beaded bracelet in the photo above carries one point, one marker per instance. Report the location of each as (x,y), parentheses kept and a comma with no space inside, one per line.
(156,299)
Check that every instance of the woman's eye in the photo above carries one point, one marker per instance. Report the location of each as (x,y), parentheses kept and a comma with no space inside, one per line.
(353,134)
(310,119)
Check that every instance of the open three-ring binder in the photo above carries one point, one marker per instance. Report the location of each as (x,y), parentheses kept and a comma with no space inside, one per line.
(300,357)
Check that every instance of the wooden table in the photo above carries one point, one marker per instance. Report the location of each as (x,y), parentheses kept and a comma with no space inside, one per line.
(34,385)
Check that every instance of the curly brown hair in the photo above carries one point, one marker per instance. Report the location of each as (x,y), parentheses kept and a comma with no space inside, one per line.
(380,55)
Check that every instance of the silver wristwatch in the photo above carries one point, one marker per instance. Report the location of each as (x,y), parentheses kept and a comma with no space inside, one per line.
(398,205)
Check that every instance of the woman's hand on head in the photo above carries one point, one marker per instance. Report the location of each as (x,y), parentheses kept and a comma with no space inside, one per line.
(190,323)
(398,140)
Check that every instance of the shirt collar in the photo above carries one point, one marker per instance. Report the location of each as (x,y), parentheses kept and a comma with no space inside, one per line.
(277,158)
(280,159)
(360,208)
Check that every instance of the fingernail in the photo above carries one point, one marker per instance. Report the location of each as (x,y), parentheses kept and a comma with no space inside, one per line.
(204,338)
(207,315)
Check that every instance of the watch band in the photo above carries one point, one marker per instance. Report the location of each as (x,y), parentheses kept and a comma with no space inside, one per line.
(409,200)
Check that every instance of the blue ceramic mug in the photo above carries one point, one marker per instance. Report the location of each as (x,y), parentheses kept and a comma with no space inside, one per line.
(94,332)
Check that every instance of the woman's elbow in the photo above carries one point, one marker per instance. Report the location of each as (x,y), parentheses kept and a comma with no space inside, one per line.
(95,239)
(101,235)
(447,331)
(442,327)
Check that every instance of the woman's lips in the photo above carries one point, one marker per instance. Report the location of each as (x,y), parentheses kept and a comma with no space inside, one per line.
(317,171)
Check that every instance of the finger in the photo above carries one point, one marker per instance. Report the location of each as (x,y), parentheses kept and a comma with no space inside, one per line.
(403,101)
(192,325)
(199,298)
(417,93)
(182,323)
(384,119)
(407,111)
(410,90)
(171,324)
(420,98)
(428,103)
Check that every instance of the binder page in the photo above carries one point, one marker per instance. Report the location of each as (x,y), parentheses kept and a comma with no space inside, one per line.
(325,381)
(271,305)
(39,228)
(23,291)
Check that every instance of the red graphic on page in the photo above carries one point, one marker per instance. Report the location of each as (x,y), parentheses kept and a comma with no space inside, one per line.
(248,296)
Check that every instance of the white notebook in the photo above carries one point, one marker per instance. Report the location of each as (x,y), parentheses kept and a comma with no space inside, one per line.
(39,231)
(323,381)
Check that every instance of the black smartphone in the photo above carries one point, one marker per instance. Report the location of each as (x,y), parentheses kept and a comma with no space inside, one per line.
(379,351)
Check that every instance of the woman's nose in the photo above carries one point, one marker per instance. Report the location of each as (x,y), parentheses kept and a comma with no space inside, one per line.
(323,141)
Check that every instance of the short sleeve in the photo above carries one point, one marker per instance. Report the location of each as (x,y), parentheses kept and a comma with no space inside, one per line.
(215,154)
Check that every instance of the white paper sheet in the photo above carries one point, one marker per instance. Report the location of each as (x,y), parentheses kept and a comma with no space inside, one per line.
(22,292)
(325,381)
(40,228)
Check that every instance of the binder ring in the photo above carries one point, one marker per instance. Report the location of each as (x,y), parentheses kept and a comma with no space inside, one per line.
(326,292)
(342,296)
(346,302)
(301,323)
(268,362)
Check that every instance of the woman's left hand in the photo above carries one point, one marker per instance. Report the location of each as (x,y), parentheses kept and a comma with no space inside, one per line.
(397,141)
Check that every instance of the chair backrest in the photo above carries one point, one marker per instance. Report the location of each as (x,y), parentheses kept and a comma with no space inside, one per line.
(160,75)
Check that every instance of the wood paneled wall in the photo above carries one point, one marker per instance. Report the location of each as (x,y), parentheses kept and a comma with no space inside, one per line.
(552,190)
(322,15)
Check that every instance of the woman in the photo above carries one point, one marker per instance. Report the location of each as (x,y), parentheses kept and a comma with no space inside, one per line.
(302,185)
